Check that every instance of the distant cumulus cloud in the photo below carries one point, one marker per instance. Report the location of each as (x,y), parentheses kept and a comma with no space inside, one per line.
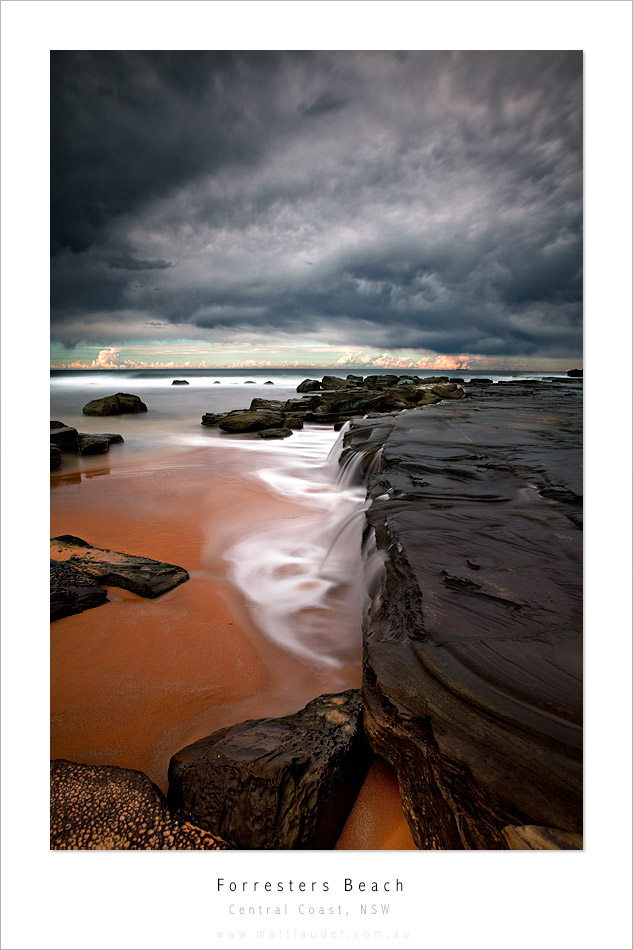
(427,203)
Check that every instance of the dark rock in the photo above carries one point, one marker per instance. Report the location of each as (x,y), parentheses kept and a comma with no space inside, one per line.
(56,457)
(536,838)
(472,674)
(480,382)
(448,391)
(141,575)
(356,380)
(114,405)
(210,419)
(304,404)
(58,425)
(276,783)
(246,420)
(93,444)
(381,382)
(339,425)
(281,433)
(216,382)
(334,382)
(72,591)
(293,422)
(575,373)
(269,382)
(102,807)
(66,438)
(456,379)
(180,382)
(250,382)
(309,386)
(275,404)
(434,379)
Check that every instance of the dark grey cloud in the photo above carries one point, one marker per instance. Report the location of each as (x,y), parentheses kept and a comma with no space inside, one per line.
(424,200)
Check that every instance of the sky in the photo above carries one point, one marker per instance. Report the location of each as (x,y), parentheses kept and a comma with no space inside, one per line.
(396,209)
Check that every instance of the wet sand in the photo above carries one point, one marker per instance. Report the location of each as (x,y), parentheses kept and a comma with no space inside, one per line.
(135,680)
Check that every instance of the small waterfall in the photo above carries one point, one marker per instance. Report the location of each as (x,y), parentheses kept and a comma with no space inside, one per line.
(345,546)
(332,461)
(355,470)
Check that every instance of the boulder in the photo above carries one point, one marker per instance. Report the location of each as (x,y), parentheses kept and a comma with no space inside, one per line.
(66,438)
(141,575)
(105,808)
(538,838)
(180,382)
(72,592)
(448,391)
(210,419)
(269,382)
(216,382)
(56,457)
(93,444)
(247,420)
(250,382)
(355,380)
(575,373)
(58,425)
(334,382)
(304,404)
(309,386)
(276,783)
(281,433)
(293,422)
(275,404)
(114,405)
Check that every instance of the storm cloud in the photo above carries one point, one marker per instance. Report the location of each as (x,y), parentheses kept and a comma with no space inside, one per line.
(426,201)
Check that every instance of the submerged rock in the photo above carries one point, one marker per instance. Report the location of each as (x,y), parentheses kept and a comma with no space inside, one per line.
(105,808)
(269,382)
(180,382)
(115,405)
(141,575)
(276,783)
(72,592)
(281,433)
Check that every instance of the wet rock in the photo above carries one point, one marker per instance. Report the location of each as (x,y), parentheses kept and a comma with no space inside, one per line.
(114,405)
(141,575)
(293,422)
(66,438)
(72,592)
(269,382)
(354,380)
(216,382)
(250,382)
(575,373)
(99,808)
(276,783)
(306,403)
(480,381)
(93,444)
(211,419)
(180,382)
(334,382)
(247,420)
(536,838)
(56,457)
(281,433)
(275,404)
(448,391)
(472,674)
(57,425)
(309,386)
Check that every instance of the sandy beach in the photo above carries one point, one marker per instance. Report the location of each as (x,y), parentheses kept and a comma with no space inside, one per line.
(136,680)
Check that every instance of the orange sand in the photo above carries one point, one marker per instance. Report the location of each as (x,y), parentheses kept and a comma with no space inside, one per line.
(135,680)
(376,821)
